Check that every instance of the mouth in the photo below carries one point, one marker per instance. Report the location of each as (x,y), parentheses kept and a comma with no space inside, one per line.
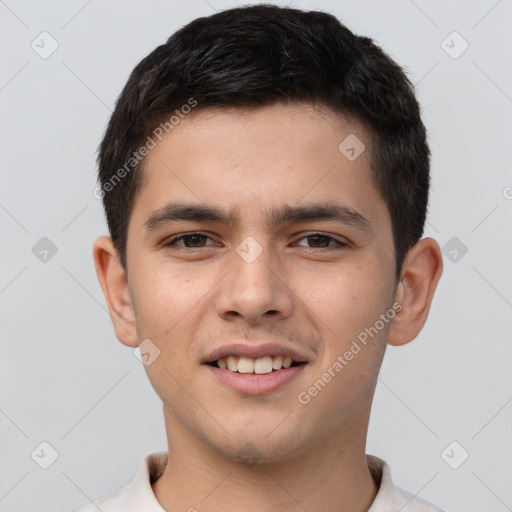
(249,376)
(256,368)
(260,366)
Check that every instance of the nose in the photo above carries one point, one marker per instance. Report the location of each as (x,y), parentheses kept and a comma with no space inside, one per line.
(256,288)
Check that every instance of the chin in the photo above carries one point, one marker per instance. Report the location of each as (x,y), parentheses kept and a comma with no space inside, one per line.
(261,449)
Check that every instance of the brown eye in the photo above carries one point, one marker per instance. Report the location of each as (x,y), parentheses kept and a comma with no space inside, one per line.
(321,241)
(190,241)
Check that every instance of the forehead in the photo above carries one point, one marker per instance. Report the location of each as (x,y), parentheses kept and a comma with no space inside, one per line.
(257,159)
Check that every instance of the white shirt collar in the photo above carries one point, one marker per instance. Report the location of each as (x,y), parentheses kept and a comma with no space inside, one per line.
(138,495)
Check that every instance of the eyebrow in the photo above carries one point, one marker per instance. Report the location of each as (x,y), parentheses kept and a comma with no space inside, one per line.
(334,212)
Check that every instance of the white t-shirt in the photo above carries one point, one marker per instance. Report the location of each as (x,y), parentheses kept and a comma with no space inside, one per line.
(138,495)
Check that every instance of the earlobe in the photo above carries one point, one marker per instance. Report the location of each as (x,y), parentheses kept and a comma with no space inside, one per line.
(421,272)
(114,283)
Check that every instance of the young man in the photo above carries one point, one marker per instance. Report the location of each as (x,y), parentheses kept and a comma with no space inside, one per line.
(265,176)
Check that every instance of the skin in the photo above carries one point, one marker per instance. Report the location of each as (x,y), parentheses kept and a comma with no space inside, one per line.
(229,450)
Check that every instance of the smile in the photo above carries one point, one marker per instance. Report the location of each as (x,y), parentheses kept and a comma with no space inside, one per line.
(248,365)
(249,381)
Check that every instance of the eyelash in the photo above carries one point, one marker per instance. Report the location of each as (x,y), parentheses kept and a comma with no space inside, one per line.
(340,245)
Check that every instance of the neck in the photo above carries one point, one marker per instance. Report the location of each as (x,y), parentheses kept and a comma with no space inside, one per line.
(332,475)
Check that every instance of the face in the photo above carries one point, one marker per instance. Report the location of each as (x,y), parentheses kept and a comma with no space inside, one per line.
(287,276)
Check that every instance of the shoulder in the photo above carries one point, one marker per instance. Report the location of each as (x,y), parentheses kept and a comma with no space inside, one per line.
(391,498)
(407,502)
(109,503)
(138,494)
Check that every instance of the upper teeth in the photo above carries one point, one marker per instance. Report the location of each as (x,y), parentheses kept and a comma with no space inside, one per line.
(249,365)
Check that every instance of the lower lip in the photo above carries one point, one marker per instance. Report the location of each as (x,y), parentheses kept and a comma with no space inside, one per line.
(253,384)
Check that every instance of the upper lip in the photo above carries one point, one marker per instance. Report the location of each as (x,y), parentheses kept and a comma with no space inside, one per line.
(255,352)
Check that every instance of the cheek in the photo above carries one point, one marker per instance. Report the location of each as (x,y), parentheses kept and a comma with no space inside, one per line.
(164,296)
(169,313)
(171,310)
(343,378)
(344,303)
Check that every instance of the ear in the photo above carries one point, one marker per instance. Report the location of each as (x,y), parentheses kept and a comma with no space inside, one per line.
(114,283)
(420,274)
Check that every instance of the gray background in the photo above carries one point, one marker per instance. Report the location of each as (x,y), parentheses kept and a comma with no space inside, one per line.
(66,380)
